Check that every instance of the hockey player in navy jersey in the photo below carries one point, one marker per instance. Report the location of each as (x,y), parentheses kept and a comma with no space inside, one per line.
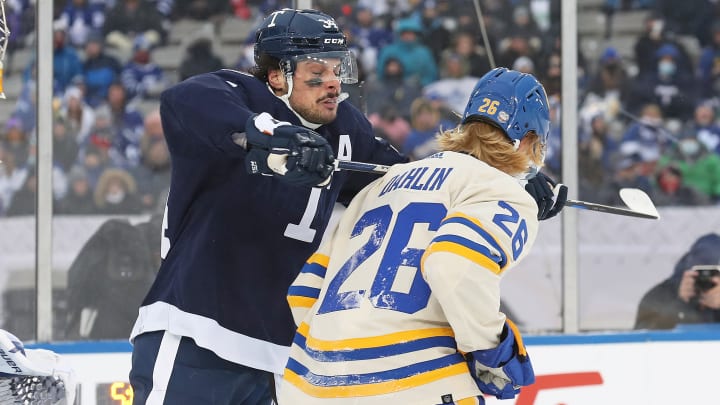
(215,325)
(401,303)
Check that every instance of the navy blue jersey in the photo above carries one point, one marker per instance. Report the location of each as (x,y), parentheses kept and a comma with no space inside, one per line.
(234,242)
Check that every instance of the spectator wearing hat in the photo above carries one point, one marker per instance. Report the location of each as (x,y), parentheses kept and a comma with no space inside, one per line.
(669,86)
(79,199)
(705,127)
(142,77)
(632,171)
(65,146)
(116,193)
(611,78)
(679,299)
(99,70)
(654,36)
(82,17)
(66,62)
(393,89)
(415,58)
(199,58)
(16,141)
(78,115)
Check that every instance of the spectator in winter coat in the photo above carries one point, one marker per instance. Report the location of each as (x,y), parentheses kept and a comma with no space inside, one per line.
(416,58)
(99,70)
(79,198)
(116,193)
(142,77)
(670,86)
(199,58)
(679,299)
(82,17)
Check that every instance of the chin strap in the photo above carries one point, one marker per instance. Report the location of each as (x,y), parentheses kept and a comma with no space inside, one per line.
(286,99)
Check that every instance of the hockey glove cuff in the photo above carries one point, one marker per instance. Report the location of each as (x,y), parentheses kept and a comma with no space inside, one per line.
(294,154)
(503,370)
(550,201)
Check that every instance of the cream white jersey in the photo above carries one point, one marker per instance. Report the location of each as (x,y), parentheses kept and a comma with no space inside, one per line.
(407,282)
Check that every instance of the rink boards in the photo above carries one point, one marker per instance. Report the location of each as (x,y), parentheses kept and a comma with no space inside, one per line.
(640,368)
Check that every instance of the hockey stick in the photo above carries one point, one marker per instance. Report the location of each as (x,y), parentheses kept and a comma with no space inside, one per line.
(639,204)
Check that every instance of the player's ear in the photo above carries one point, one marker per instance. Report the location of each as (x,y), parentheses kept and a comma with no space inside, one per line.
(276,79)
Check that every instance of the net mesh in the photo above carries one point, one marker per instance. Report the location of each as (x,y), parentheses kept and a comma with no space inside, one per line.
(32,391)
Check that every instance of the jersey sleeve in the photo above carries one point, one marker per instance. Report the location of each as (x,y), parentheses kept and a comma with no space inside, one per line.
(487,232)
(203,112)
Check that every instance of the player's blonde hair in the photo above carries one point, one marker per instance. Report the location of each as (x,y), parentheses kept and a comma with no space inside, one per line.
(492,146)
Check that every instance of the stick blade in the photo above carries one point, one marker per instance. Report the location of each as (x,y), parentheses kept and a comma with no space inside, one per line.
(637,200)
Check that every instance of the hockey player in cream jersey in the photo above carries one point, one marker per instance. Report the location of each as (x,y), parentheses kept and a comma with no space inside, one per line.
(401,303)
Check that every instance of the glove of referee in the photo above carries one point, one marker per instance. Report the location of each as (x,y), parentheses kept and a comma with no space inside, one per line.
(550,201)
(291,153)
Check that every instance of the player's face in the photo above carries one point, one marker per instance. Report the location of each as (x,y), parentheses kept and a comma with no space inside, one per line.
(316,90)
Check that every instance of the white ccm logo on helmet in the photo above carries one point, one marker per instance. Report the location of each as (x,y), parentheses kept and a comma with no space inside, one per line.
(334,41)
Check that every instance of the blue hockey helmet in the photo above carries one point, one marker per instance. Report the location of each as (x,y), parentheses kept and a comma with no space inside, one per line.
(290,35)
(512,101)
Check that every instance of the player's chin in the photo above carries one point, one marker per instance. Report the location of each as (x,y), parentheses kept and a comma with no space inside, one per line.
(326,115)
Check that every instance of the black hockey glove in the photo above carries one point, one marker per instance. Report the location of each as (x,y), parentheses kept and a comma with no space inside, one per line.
(294,154)
(550,201)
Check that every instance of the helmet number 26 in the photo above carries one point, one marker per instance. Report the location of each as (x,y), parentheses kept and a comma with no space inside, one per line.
(489,106)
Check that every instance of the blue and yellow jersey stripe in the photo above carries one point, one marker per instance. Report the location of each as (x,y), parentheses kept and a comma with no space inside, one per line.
(304,296)
(317,264)
(473,251)
(373,347)
(377,383)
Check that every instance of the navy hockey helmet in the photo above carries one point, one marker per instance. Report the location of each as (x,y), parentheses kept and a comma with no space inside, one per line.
(290,35)
(512,101)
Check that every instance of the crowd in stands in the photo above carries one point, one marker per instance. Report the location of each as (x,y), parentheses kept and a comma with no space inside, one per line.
(649,121)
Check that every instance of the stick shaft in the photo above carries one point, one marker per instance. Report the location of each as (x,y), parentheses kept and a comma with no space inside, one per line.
(375,168)
(361,166)
(607,209)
